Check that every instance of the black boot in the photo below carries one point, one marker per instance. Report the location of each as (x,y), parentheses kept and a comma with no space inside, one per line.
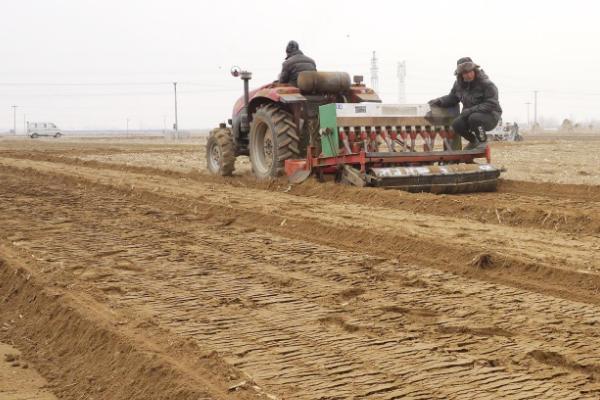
(469,136)
(478,136)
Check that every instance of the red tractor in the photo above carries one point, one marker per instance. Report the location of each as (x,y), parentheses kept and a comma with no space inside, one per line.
(277,122)
(329,125)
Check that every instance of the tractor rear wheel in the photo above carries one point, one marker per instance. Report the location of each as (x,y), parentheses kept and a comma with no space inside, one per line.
(220,152)
(273,139)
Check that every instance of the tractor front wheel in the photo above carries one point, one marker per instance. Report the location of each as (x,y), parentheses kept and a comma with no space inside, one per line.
(273,139)
(220,152)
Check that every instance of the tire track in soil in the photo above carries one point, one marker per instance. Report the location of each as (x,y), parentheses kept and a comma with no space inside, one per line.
(83,349)
(303,319)
(557,207)
(550,262)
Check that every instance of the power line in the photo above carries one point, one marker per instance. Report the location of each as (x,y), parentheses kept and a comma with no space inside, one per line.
(82,83)
(116,94)
(221,87)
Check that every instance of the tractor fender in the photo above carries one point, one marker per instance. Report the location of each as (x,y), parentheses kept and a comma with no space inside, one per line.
(271,93)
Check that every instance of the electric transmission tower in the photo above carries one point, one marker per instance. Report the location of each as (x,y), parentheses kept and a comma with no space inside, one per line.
(401,82)
(374,73)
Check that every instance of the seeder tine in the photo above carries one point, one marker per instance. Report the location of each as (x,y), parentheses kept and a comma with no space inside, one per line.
(363,137)
(373,145)
(444,135)
(432,135)
(413,137)
(394,137)
(386,139)
(344,139)
(426,138)
(404,136)
(352,134)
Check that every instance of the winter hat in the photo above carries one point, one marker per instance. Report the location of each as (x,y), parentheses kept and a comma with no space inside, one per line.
(292,46)
(465,64)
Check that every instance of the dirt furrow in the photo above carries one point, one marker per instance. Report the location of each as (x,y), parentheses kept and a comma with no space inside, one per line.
(448,243)
(555,207)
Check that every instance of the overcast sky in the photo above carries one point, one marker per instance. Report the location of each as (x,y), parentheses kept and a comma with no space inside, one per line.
(87,64)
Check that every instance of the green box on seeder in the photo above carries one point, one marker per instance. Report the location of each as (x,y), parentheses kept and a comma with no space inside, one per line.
(330,141)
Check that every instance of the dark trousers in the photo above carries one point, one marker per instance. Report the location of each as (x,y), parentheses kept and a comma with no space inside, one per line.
(465,126)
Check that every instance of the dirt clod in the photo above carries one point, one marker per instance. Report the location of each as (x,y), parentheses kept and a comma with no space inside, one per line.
(483,260)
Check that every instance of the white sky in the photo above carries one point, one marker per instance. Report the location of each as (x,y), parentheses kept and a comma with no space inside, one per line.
(131,49)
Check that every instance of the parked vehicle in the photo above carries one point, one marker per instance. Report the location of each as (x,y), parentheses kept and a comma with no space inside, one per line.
(37,129)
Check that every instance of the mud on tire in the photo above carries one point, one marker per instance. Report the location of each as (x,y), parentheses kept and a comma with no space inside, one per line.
(220,152)
(273,139)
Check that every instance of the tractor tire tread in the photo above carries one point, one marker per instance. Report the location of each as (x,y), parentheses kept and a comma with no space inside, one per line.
(285,135)
(222,137)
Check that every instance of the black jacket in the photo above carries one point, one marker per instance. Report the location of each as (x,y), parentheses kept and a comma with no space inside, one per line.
(480,95)
(295,63)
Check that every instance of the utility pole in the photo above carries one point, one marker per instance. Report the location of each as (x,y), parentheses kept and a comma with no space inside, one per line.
(528,121)
(25,124)
(535,106)
(401,73)
(176,126)
(14,119)
(127,129)
(374,73)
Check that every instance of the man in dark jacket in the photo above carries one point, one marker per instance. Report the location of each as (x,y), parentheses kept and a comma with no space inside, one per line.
(479,97)
(294,63)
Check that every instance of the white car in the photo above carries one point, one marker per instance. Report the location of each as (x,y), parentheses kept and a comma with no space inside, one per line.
(37,129)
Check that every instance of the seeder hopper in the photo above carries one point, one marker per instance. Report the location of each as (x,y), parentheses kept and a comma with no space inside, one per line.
(409,147)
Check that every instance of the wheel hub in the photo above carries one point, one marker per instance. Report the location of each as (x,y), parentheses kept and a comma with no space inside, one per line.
(268,150)
(215,156)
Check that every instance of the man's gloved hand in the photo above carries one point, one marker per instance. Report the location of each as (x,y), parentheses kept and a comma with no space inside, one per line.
(435,102)
(467,111)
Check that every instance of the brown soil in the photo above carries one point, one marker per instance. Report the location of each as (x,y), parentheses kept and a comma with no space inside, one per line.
(573,159)
(17,380)
(138,276)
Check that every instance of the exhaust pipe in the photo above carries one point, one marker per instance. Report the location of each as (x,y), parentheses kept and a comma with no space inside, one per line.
(245,76)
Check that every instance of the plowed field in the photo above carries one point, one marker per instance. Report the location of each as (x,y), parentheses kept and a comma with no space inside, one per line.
(127,272)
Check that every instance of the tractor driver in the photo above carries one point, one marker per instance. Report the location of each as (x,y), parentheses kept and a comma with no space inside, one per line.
(294,63)
(479,97)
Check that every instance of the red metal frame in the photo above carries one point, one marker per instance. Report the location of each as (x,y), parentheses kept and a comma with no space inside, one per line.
(330,164)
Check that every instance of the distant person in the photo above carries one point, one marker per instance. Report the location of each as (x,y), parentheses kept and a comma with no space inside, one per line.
(294,63)
(479,97)
(516,135)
